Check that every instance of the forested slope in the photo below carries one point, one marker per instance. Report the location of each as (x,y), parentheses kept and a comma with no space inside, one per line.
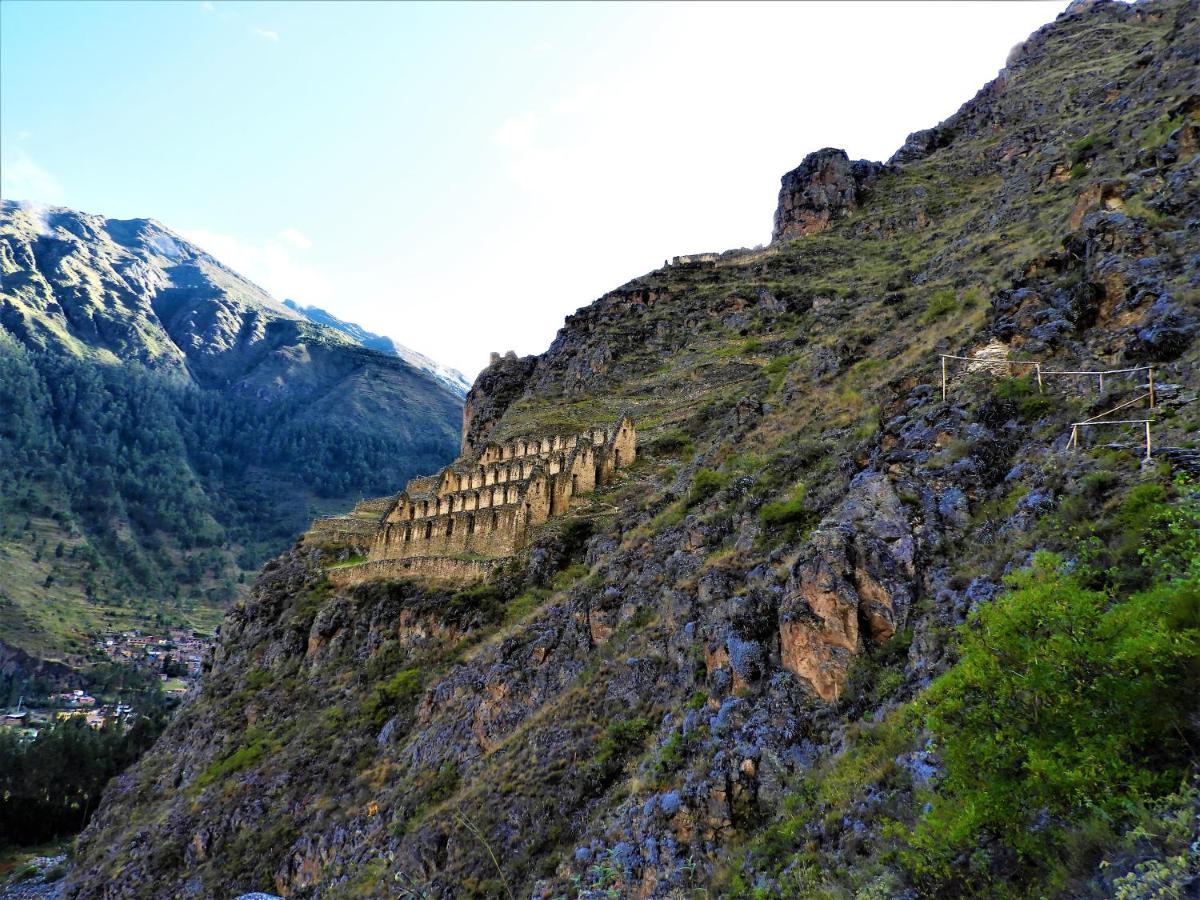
(167,425)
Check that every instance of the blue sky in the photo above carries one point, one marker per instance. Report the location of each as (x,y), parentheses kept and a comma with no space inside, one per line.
(462,176)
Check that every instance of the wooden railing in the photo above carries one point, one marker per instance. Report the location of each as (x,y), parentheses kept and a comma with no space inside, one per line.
(1042,374)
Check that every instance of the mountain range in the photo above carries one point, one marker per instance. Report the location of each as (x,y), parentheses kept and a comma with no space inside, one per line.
(168,425)
(452,378)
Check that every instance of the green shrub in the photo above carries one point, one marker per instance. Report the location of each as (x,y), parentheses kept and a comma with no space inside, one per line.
(256,747)
(1031,403)
(776,370)
(672,754)
(390,696)
(673,443)
(790,517)
(941,304)
(1063,706)
(258,679)
(1087,147)
(620,740)
(705,485)
(1097,485)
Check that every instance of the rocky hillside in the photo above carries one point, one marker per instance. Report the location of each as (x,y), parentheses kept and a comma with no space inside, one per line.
(837,632)
(168,425)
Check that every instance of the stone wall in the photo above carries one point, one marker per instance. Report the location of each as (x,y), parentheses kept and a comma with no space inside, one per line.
(437,568)
(484,504)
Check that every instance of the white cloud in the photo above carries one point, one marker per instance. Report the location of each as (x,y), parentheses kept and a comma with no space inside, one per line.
(519,132)
(266,34)
(24,135)
(207,7)
(296,238)
(269,264)
(38,214)
(23,179)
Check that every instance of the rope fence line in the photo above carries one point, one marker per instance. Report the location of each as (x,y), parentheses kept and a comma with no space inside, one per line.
(1075,426)
(987,362)
(1109,412)
(1096,420)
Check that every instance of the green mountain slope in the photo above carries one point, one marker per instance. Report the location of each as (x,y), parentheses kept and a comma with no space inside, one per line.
(835,633)
(452,378)
(168,425)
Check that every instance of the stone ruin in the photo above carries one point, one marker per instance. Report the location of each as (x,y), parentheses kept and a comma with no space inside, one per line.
(464,521)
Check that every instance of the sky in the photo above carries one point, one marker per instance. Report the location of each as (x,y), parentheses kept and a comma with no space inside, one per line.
(461,177)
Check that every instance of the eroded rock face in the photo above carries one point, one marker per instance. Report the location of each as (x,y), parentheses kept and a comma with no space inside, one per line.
(825,187)
(854,581)
(502,382)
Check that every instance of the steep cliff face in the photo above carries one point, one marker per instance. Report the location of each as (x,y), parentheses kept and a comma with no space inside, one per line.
(650,699)
(490,396)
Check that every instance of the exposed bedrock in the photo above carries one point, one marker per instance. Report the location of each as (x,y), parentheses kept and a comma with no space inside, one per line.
(825,187)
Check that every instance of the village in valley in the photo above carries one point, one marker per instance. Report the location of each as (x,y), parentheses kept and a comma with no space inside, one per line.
(174,658)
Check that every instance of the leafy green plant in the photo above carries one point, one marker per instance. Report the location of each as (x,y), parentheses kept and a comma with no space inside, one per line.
(1031,404)
(673,443)
(388,697)
(617,743)
(940,304)
(789,518)
(1063,706)
(256,746)
(706,484)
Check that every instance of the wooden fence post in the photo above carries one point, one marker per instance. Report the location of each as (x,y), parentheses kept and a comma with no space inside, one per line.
(943,379)
(1074,441)
(1151,371)
(1101,382)
(1039,377)
(1148,441)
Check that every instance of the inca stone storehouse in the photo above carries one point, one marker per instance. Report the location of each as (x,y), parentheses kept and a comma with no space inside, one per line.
(480,509)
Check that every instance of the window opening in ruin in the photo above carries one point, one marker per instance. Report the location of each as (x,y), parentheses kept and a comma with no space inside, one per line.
(428,530)
(470,524)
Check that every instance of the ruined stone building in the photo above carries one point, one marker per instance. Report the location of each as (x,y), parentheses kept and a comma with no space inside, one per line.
(479,510)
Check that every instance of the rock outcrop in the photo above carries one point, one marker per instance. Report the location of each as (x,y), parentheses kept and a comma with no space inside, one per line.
(502,382)
(853,582)
(824,188)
